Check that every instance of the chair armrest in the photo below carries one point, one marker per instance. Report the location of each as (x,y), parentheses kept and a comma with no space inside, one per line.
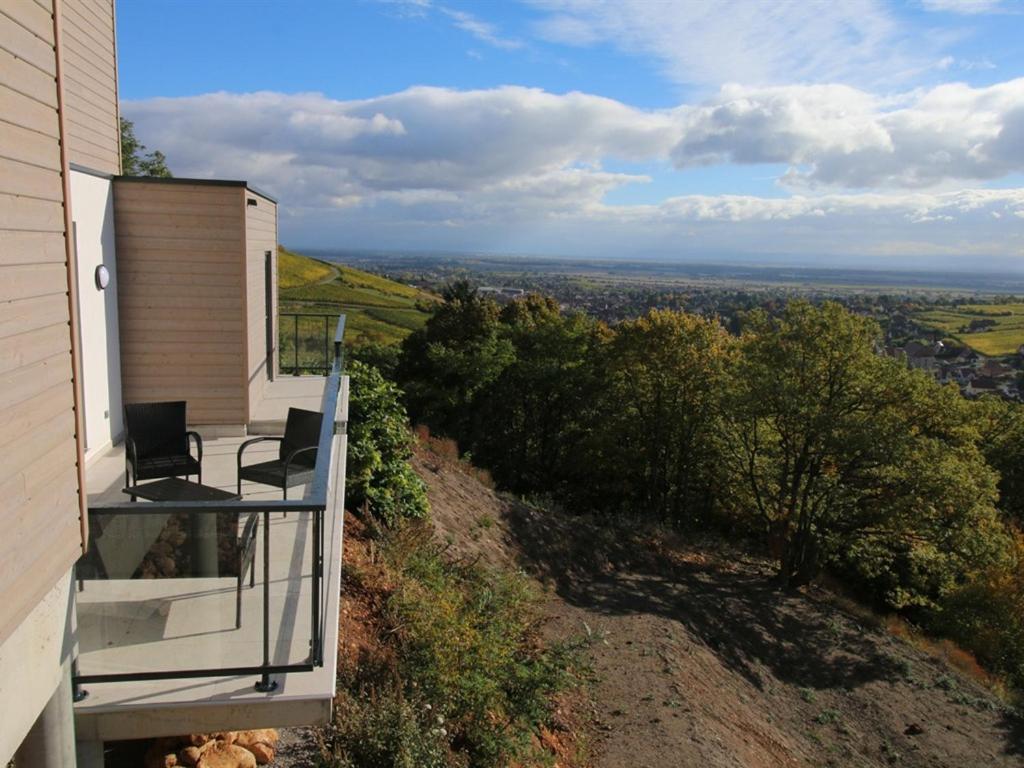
(253,441)
(129,449)
(199,444)
(291,458)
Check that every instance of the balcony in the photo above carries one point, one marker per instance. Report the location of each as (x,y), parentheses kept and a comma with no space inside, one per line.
(177,631)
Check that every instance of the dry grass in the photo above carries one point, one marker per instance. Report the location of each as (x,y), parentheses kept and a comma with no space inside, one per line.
(446,451)
(942,649)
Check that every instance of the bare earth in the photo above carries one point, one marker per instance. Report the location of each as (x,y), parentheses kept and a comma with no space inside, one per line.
(700,661)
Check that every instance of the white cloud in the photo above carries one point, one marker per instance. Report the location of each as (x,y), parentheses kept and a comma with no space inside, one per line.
(479,29)
(964,7)
(522,167)
(747,41)
(834,135)
(482,30)
(421,138)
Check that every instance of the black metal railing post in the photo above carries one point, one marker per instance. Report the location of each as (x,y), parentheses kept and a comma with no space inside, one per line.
(265,684)
(327,360)
(295,370)
(314,644)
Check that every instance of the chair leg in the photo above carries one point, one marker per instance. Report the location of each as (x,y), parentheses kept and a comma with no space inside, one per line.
(238,603)
(252,573)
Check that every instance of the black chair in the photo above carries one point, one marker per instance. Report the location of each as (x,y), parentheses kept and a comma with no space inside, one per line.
(157,443)
(246,561)
(296,457)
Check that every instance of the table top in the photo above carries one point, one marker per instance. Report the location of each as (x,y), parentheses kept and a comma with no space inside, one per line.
(177,489)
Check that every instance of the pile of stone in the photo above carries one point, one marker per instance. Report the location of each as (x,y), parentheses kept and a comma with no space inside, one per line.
(228,749)
(164,558)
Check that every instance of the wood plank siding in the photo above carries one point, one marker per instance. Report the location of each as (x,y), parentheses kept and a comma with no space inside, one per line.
(90,84)
(181,300)
(39,473)
(260,237)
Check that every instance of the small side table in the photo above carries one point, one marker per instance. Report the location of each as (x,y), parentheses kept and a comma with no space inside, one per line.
(177,489)
(203,525)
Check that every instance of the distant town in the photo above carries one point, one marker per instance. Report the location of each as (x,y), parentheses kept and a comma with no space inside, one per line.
(963,329)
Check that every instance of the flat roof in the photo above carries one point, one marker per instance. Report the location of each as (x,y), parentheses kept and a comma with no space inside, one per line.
(202,182)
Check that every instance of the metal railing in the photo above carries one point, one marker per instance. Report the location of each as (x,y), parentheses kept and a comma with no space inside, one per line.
(304,343)
(314,503)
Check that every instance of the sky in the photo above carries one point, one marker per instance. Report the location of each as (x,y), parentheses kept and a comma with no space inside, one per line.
(855,133)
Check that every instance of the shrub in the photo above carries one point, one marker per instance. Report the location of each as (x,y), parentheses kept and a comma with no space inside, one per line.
(986,616)
(466,639)
(384,730)
(379,447)
(452,675)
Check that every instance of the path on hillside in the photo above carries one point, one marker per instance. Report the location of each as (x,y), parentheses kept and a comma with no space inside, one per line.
(700,662)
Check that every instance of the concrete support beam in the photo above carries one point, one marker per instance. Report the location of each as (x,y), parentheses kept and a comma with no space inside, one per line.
(50,742)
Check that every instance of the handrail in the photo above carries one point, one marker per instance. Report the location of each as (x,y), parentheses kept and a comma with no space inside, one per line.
(314,501)
(325,367)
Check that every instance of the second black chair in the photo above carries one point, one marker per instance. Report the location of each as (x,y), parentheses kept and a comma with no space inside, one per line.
(296,458)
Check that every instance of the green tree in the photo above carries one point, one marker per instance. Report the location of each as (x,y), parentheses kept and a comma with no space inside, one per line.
(134,159)
(1002,438)
(379,447)
(531,420)
(446,363)
(665,376)
(849,458)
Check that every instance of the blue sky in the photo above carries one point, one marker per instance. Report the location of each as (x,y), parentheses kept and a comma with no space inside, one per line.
(856,132)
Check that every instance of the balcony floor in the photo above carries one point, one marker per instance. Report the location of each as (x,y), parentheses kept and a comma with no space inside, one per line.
(279,395)
(167,624)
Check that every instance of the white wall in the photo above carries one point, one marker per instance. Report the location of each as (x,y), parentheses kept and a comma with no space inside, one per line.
(30,664)
(92,209)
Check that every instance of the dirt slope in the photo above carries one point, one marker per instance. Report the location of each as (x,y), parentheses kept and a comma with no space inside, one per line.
(700,662)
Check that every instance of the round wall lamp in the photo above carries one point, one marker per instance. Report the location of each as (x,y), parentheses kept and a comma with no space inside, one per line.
(102,277)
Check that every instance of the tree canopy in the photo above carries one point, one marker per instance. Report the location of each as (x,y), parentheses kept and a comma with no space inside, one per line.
(792,430)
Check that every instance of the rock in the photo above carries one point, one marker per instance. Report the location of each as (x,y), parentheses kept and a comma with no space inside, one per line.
(913,730)
(198,739)
(258,736)
(264,753)
(228,737)
(156,759)
(226,756)
(191,755)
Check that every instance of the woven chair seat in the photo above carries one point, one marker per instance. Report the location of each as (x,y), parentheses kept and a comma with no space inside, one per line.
(272,473)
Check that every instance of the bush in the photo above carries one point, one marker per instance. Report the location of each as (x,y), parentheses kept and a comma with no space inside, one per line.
(466,635)
(379,447)
(453,674)
(384,730)
(986,616)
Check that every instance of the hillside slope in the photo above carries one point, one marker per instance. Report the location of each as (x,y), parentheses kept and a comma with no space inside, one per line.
(379,310)
(699,661)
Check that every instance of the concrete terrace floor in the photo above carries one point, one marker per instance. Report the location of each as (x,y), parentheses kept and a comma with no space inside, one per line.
(173,624)
(166,624)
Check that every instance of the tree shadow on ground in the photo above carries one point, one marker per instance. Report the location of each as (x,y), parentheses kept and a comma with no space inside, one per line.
(1013,724)
(755,628)
(752,626)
